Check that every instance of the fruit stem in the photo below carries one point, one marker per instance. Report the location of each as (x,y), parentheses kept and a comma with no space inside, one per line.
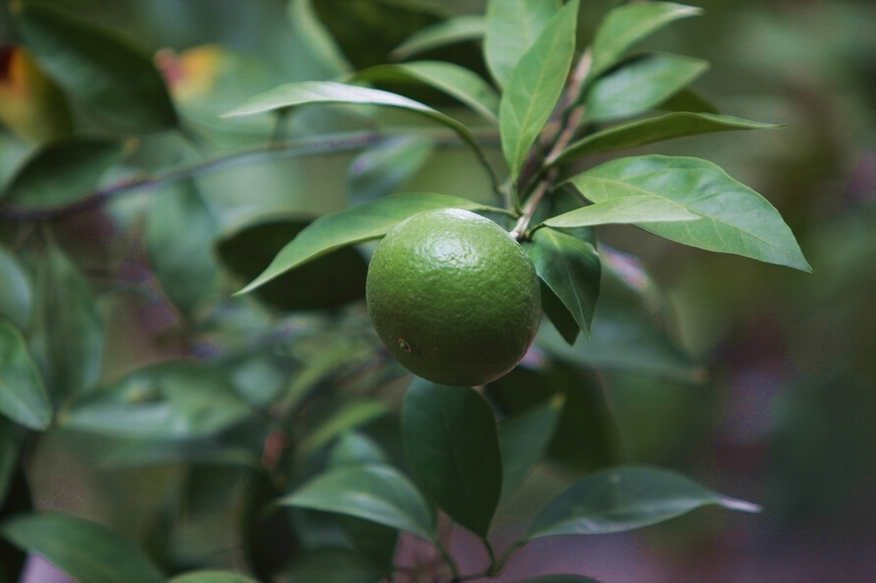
(532,204)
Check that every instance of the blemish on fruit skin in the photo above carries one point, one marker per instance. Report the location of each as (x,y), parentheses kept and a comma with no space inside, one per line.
(406,348)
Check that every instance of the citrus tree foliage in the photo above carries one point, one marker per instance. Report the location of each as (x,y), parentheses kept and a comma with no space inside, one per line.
(268,392)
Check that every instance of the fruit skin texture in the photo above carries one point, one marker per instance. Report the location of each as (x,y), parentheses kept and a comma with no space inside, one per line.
(453,297)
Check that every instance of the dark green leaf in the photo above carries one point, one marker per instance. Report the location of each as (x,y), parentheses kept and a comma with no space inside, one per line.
(333,566)
(560,579)
(117,82)
(687,100)
(355,225)
(387,165)
(642,83)
(61,173)
(15,293)
(170,400)
(524,440)
(353,449)
(374,541)
(85,550)
(571,268)
(23,397)
(460,83)
(211,577)
(632,209)
(452,30)
(452,446)
(317,54)
(374,492)
(625,498)
(178,236)
(656,129)
(511,27)
(558,314)
(736,219)
(535,85)
(626,25)
(11,439)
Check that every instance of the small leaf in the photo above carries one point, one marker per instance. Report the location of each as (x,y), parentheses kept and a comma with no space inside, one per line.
(631,209)
(736,219)
(626,25)
(452,30)
(169,400)
(15,293)
(535,85)
(640,84)
(452,446)
(61,173)
(85,550)
(657,129)
(511,28)
(117,82)
(571,268)
(374,492)
(460,83)
(355,225)
(387,165)
(318,55)
(23,397)
(626,498)
(211,577)
(524,440)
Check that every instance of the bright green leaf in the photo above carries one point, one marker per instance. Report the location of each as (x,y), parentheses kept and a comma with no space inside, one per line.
(15,293)
(386,165)
(535,85)
(119,84)
(355,225)
(211,577)
(736,219)
(631,209)
(23,397)
(83,549)
(460,83)
(511,27)
(524,440)
(61,173)
(318,55)
(452,446)
(571,269)
(452,30)
(657,129)
(640,84)
(625,498)
(374,492)
(625,26)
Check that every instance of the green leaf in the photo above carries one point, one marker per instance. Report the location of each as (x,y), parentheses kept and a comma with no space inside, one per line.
(119,84)
(374,492)
(460,83)
(452,30)
(169,400)
(178,237)
(353,449)
(625,26)
(11,440)
(317,56)
(559,315)
(631,209)
(656,129)
(23,396)
(571,269)
(350,416)
(355,225)
(15,293)
(640,84)
(560,579)
(61,173)
(524,440)
(625,498)
(535,86)
(85,550)
(211,577)
(687,100)
(329,565)
(511,27)
(736,219)
(387,165)
(452,446)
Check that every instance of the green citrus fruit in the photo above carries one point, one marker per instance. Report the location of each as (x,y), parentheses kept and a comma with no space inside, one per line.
(453,297)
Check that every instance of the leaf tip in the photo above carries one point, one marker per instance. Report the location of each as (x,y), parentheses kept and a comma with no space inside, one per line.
(741,505)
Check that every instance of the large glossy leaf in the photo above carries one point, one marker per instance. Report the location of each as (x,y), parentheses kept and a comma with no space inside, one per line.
(632,209)
(640,84)
(460,83)
(386,165)
(15,293)
(452,30)
(211,577)
(85,550)
(511,28)
(625,26)
(317,54)
(23,396)
(657,129)
(625,498)
(736,219)
(375,492)
(61,173)
(452,446)
(119,84)
(170,400)
(535,85)
(524,440)
(571,269)
(355,225)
